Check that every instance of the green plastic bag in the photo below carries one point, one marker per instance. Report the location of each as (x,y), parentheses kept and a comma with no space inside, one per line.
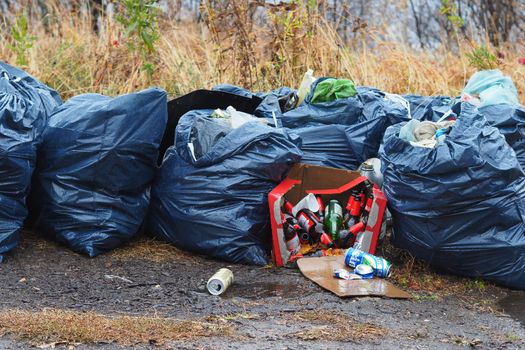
(332,89)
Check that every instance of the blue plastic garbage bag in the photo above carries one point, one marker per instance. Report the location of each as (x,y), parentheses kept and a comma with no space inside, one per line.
(429,108)
(211,193)
(96,165)
(344,111)
(510,120)
(345,132)
(45,97)
(492,87)
(459,206)
(25,104)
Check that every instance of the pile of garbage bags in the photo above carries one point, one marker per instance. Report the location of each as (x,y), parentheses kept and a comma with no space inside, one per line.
(340,130)
(196,171)
(210,194)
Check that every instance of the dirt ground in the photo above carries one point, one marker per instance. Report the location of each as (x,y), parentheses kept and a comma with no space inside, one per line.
(266,308)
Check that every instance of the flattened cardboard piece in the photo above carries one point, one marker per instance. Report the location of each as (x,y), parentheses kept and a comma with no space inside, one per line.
(321,271)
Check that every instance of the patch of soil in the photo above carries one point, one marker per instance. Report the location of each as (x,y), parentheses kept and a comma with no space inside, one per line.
(265,308)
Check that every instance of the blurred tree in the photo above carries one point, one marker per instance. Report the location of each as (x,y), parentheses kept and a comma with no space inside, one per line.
(498,18)
(421,23)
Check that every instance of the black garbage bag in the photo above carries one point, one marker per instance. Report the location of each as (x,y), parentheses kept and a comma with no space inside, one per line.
(459,206)
(272,103)
(25,104)
(96,166)
(429,108)
(345,132)
(343,111)
(510,120)
(211,193)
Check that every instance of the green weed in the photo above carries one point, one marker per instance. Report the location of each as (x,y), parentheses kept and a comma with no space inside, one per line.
(425,297)
(475,284)
(450,10)
(140,20)
(481,58)
(22,40)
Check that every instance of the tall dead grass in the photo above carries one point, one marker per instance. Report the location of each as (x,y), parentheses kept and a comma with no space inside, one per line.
(73,59)
(60,326)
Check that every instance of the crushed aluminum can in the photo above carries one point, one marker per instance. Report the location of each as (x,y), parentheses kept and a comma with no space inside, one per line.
(382,268)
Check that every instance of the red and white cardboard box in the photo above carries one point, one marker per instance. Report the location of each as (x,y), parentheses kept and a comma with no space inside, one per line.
(329,183)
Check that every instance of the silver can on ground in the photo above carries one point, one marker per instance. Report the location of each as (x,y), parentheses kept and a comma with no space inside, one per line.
(220,281)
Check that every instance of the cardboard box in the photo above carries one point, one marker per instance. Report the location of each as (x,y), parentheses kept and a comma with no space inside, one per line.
(330,183)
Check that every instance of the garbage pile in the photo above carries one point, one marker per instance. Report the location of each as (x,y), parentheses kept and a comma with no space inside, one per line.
(235,174)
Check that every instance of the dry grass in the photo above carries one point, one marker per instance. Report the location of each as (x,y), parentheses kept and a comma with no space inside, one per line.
(428,284)
(70,57)
(152,250)
(421,279)
(418,276)
(59,326)
(335,327)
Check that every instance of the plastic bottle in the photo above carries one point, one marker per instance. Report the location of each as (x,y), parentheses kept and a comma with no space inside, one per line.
(371,168)
(305,86)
